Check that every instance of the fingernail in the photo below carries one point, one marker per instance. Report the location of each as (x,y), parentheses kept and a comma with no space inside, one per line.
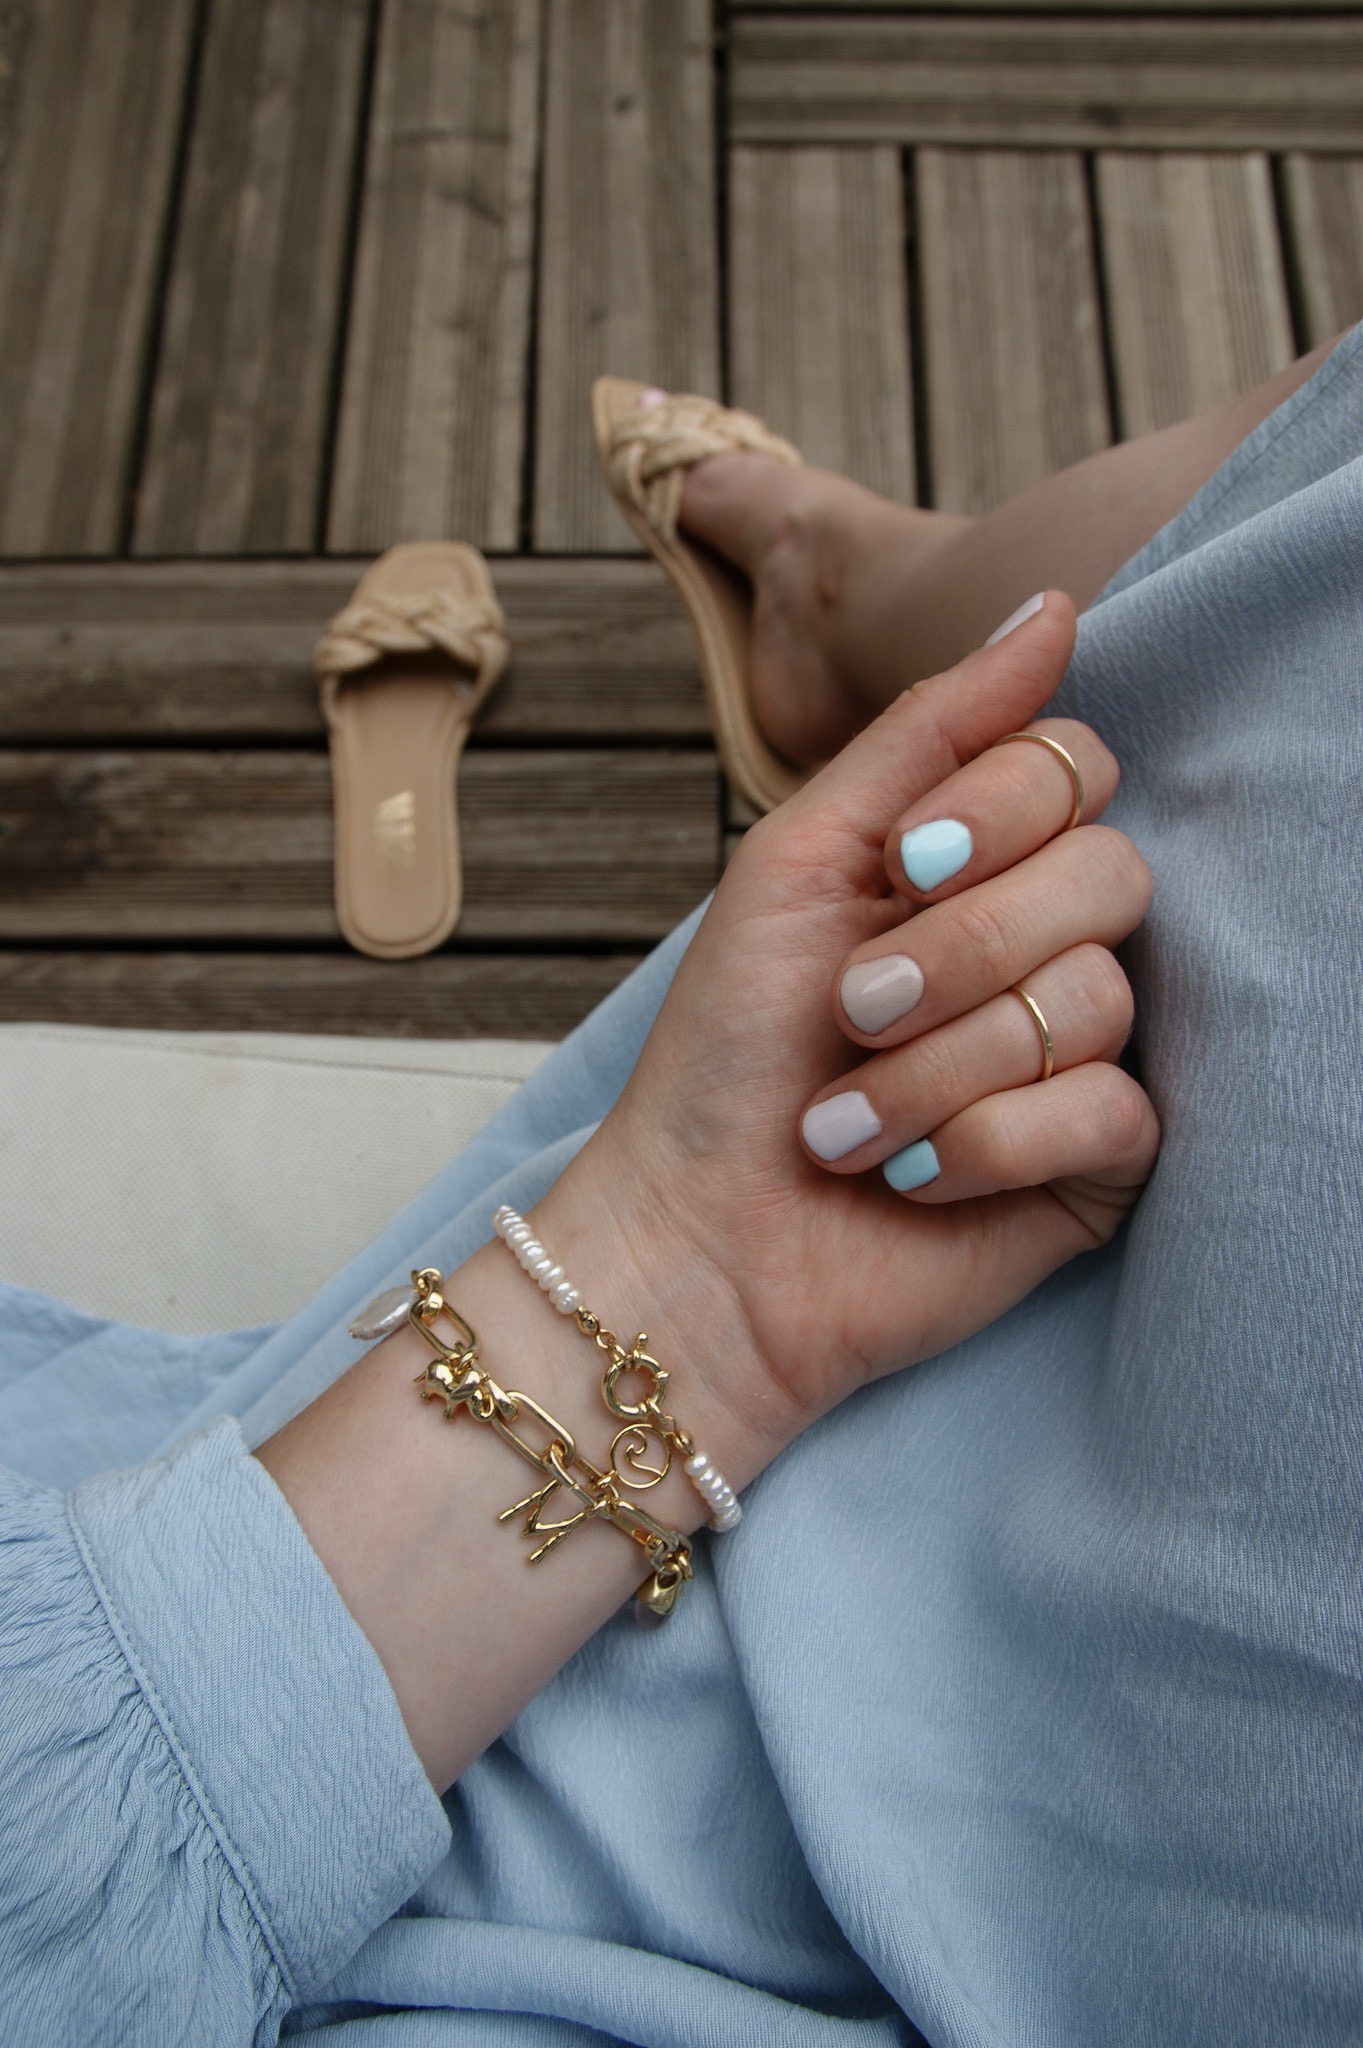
(914,1167)
(933,852)
(653,396)
(876,993)
(837,1126)
(1018,618)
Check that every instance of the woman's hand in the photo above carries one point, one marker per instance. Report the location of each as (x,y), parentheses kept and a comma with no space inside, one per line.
(773,1277)
(830,1019)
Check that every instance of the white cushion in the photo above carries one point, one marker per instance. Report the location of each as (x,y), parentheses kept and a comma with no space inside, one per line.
(206,1181)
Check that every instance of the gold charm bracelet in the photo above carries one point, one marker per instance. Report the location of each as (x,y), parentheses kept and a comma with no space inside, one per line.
(641,1453)
(456,1376)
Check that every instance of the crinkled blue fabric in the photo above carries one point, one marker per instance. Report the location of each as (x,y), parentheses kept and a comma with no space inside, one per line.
(1026,1707)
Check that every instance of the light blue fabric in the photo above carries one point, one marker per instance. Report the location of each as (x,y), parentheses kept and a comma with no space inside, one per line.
(1064,1750)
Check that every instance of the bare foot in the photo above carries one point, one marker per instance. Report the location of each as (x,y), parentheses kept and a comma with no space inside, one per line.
(827,561)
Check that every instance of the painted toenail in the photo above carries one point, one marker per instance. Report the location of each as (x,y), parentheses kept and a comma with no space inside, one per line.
(653,396)
(933,853)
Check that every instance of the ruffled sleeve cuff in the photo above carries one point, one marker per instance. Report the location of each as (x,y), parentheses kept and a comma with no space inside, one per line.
(277,1710)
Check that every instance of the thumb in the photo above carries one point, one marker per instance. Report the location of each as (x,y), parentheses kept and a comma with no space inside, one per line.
(946,720)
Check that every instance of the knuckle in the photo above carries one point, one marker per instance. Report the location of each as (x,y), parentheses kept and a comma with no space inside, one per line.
(986,929)
(1004,1147)
(936,1070)
(1122,866)
(1122,1115)
(1102,993)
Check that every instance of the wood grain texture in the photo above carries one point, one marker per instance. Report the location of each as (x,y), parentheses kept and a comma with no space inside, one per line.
(1324,205)
(818,307)
(1291,83)
(446,995)
(432,419)
(1013,362)
(236,447)
(1197,301)
(1141,7)
(223,845)
(96,111)
(629,274)
(222,651)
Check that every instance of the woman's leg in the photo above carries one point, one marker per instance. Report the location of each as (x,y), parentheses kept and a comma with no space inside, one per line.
(857,598)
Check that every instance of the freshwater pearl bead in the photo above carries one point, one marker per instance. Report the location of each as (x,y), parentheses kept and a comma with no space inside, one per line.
(709,1482)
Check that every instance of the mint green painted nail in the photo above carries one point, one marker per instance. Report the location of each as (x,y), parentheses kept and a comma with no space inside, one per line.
(932,853)
(914,1167)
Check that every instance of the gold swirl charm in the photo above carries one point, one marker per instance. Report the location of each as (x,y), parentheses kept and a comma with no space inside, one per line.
(631,1445)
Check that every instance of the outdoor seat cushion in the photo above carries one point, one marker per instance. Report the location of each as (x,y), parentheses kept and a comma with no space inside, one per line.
(197,1181)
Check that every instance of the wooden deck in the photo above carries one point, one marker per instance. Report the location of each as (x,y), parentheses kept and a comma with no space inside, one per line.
(285,281)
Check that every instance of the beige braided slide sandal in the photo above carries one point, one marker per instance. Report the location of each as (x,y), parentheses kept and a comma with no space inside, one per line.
(647,440)
(403,671)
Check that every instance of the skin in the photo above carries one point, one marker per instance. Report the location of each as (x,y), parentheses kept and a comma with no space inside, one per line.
(858,599)
(772,1285)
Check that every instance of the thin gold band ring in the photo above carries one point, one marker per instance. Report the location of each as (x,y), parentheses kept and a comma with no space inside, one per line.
(1043,1029)
(1067,762)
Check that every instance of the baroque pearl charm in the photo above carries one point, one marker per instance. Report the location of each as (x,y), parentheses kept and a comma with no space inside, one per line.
(386,1312)
(709,1482)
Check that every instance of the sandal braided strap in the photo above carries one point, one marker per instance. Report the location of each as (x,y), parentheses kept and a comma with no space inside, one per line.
(469,629)
(651,448)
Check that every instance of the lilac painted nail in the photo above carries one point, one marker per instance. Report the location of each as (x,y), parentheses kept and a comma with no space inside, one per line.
(839,1124)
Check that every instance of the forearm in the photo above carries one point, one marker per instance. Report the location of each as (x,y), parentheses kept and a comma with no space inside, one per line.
(403,1509)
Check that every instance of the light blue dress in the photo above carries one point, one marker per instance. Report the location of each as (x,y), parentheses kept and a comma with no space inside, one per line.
(1025,1708)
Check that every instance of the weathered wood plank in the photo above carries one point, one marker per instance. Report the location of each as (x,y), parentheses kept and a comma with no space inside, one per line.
(628,279)
(432,422)
(1291,83)
(1197,301)
(221,650)
(1142,7)
(446,995)
(1012,346)
(235,452)
(818,307)
(1325,222)
(87,185)
(167,846)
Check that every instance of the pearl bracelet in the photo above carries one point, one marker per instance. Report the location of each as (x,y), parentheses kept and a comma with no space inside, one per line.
(645,1419)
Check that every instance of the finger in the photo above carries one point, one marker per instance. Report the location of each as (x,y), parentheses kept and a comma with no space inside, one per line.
(1089,1125)
(1088,885)
(940,724)
(898,1097)
(1093,1123)
(1000,807)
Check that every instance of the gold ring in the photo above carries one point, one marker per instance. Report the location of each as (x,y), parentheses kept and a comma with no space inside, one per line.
(1067,762)
(1033,1009)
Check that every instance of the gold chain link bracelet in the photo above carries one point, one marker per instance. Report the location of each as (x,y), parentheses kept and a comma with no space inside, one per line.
(456,1377)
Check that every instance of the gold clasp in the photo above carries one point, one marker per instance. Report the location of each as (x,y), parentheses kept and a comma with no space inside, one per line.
(634,1360)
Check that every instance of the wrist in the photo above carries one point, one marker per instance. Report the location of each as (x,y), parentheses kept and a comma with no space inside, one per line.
(639,1269)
